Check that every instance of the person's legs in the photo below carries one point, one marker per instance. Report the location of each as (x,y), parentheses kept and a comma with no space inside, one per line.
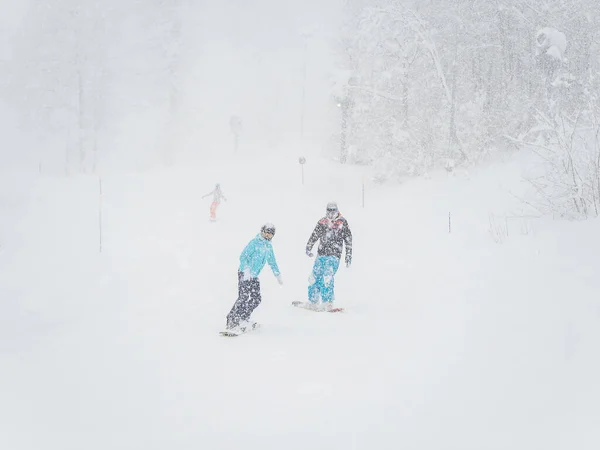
(330,267)
(254,299)
(316,280)
(244,289)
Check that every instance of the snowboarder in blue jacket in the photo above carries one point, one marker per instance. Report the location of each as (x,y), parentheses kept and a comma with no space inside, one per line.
(253,258)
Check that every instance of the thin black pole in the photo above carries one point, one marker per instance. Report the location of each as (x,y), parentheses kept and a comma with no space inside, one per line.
(363,192)
(100,212)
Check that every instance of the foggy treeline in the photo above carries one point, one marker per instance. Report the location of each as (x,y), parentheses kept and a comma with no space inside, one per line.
(79,70)
(412,85)
(431,84)
(92,85)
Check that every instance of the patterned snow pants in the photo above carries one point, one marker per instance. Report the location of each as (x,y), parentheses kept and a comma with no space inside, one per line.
(322,279)
(248,299)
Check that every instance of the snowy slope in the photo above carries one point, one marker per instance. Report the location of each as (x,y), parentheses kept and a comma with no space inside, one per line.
(449,341)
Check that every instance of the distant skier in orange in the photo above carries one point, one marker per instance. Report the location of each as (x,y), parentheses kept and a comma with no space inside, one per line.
(217,196)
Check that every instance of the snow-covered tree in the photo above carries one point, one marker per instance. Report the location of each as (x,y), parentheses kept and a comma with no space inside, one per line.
(442,83)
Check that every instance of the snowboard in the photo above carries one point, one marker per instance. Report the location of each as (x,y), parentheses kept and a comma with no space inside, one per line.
(239,331)
(305,306)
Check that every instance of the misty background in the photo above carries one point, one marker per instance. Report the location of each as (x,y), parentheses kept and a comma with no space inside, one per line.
(128,84)
(404,87)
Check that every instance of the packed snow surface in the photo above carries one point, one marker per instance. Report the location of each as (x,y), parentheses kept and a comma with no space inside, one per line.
(466,325)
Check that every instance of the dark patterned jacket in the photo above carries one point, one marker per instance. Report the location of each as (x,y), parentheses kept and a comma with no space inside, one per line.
(333,234)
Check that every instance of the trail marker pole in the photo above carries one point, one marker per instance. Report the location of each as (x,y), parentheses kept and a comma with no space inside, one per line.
(302,161)
(100,212)
(363,191)
(235,123)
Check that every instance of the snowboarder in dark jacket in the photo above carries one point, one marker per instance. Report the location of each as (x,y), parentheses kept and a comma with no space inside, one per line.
(332,232)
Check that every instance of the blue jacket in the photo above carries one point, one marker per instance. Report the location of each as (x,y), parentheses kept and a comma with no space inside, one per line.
(258,252)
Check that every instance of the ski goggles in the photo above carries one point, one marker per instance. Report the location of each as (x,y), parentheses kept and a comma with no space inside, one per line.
(267,236)
(332,213)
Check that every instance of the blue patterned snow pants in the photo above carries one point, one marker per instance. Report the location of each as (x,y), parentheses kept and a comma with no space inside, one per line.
(322,279)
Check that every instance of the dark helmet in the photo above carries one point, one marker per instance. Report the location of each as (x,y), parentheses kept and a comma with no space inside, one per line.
(267,231)
(332,210)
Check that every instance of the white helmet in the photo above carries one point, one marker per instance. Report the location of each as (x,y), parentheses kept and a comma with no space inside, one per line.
(332,210)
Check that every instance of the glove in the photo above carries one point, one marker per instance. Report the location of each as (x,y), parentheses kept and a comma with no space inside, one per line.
(348,260)
(279,279)
(309,253)
(246,275)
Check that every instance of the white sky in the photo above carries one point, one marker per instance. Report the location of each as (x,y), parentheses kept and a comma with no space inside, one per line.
(241,58)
